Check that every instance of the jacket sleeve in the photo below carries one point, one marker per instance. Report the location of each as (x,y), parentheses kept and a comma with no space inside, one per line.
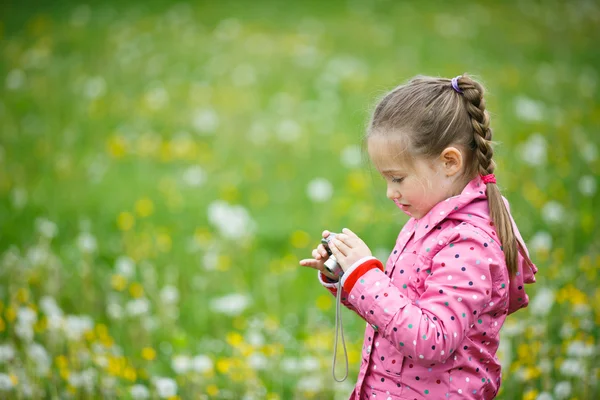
(457,289)
(368,262)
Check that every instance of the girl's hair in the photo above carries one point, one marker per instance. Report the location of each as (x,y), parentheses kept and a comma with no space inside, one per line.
(432,115)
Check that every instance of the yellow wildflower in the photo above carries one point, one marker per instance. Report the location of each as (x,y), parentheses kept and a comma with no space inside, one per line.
(324,302)
(300,239)
(223,263)
(164,242)
(144,207)
(129,374)
(212,390)
(116,146)
(224,365)
(234,339)
(148,353)
(531,394)
(136,290)
(22,295)
(61,362)
(118,282)
(125,221)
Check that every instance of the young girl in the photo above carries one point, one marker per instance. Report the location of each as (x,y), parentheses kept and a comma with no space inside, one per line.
(459,264)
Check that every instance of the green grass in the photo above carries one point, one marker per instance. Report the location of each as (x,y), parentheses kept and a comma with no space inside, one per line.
(97,112)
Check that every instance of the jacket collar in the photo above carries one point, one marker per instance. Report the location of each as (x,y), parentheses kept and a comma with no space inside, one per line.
(475,190)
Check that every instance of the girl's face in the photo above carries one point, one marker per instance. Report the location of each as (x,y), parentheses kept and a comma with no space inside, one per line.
(415,187)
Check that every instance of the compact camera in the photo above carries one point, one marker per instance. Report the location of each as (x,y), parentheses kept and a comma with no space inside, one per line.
(331,264)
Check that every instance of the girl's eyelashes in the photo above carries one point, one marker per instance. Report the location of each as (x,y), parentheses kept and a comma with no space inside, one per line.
(397,180)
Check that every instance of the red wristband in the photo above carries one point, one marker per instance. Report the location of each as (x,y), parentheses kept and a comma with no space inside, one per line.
(360,271)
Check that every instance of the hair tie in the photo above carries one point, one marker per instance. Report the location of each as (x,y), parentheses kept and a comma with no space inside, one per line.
(455,84)
(491,178)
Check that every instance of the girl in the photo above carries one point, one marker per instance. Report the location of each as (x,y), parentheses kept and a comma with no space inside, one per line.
(459,264)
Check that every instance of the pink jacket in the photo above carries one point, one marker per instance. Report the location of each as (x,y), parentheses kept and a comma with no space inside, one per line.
(433,317)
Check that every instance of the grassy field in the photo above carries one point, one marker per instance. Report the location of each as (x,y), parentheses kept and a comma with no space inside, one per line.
(164,166)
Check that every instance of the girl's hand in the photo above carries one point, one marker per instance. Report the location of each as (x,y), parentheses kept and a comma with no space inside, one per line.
(320,255)
(348,248)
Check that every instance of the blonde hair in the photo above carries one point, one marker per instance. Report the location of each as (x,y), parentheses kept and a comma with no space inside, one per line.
(432,116)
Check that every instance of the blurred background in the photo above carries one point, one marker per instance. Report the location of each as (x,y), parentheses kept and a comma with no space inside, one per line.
(164,166)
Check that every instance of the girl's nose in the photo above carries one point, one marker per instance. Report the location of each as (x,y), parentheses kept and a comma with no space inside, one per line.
(392,194)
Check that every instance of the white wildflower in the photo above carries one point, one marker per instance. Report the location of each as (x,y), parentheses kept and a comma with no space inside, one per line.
(139,392)
(544,396)
(257,361)
(541,241)
(46,228)
(202,363)
(572,368)
(94,87)
(553,212)
(528,109)
(288,131)
(75,326)
(181,364)
(6,383)
(587,185)
(137,307)
(125,266)
(24,332)
(87,242)
(205,121)
(194,176)
(7,353)
(232,304)
(169,294)
(542,302)
(580,349)
(26,316)
(319,190)
(534,150)
(233,222)
(289,364)
(310,383)
(255,338)
(37,255)
(562,390)
(165,387)
(210,260)
(38,353)
(114,311)
(351,156)
(309,363)
(15,79)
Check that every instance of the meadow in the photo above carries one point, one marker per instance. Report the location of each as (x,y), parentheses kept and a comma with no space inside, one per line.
(164,166)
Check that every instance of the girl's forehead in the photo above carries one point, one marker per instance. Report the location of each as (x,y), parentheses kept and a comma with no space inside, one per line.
(388,154)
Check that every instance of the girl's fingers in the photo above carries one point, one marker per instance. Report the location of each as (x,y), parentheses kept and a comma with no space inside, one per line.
(349,232)
(311,263)
(315,254)
(336,249)
(344,248)
(325,234)
(321,250)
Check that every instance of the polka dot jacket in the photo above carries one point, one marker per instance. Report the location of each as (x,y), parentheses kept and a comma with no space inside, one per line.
(434,312)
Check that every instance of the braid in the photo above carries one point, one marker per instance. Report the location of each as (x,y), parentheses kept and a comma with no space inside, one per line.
(480,120)
(482,137)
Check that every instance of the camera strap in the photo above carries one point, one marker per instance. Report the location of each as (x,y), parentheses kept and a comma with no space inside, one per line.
(339,327)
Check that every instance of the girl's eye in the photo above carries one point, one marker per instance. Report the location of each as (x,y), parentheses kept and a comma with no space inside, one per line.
(397,180)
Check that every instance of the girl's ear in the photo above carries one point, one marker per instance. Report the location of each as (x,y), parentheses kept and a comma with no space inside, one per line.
(452,161)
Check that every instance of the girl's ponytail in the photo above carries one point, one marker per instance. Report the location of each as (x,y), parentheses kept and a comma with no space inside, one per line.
(482,136)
